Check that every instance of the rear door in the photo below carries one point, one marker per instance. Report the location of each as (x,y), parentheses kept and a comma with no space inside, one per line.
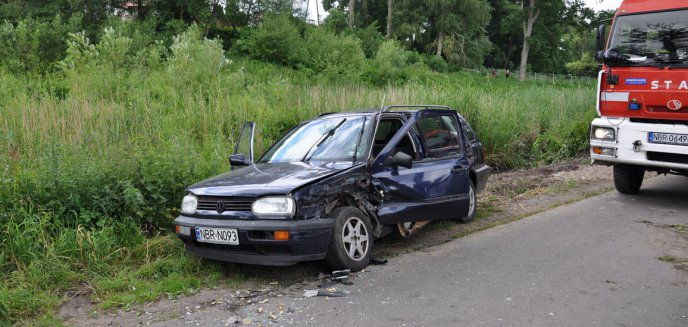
(473,146)
(436,186)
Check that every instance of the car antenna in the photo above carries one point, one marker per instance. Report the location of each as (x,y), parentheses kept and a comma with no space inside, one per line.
(377,124)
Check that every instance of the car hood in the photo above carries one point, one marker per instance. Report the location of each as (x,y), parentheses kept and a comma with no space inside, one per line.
(266,178)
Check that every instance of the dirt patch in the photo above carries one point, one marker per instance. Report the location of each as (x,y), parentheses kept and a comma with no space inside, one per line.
(680,232)
(679,263)
(509,196)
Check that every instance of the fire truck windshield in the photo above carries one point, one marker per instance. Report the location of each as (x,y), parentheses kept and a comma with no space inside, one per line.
(652,38)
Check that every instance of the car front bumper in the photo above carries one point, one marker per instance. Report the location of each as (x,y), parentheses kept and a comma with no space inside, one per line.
(632,147)
(308,240)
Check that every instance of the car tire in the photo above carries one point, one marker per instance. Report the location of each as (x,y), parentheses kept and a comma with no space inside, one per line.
(628,178)
(351,243)
(472,204)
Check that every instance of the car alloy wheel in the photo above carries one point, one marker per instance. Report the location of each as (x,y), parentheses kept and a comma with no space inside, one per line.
(472,204)
(352,241)
(472,201)
(355,238)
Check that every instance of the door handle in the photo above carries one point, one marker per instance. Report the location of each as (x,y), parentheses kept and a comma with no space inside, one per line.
(458,169)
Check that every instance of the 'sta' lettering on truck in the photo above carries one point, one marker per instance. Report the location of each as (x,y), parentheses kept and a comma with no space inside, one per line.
(642,93)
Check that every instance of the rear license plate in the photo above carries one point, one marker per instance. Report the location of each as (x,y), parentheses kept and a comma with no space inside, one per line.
(668,138)
(217,235)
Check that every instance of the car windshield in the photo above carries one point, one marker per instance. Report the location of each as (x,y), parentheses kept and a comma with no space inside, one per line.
(653,38)
(325,139)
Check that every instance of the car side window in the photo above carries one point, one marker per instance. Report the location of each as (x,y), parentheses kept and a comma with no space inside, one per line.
(389,127)
(453,128)
(441,136)
(383,129)
(467,130)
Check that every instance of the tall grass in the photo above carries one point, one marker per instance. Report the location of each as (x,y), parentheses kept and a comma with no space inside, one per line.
(94,157)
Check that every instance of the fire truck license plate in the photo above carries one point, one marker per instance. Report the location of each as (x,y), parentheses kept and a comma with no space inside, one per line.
(668,138)
(217,235)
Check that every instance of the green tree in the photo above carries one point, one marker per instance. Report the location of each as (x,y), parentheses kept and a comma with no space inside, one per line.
(452,29)
(504,32)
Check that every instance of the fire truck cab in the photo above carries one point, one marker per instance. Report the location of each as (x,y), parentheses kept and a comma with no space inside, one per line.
(642,93)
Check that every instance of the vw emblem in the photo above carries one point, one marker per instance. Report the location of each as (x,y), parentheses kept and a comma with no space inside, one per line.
(220,206)
(674,105)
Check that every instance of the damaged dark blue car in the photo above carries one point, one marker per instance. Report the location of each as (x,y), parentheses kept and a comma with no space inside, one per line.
(333,184)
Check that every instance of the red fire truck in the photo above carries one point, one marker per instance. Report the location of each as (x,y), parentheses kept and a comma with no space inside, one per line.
(642,93)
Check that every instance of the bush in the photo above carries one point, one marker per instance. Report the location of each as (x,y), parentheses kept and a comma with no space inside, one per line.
(334,56)
(389,65)
(337,21)
(585,66)
(276,40)
(370,39)
(32,45)
(438,64)
(195,60)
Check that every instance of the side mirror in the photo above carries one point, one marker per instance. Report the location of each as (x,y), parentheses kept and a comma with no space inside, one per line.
(400,159)
(612,57)
(238,160)
(599,56)
(599,44)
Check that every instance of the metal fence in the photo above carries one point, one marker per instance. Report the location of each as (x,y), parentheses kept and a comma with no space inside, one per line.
(534,76)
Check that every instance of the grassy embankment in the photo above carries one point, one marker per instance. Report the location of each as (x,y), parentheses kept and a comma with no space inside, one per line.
(94,158)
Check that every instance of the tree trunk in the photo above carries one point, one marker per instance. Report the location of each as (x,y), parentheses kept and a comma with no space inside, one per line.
(352,4)
(317,11)
(389,18)
(527,32)
(364,12)
(440,43)
(139,10)
(509,51)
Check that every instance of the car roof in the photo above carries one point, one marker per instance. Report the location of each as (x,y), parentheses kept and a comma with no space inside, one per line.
(410,109)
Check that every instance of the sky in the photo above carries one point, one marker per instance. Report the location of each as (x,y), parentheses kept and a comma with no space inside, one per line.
(598,5)
(312,9)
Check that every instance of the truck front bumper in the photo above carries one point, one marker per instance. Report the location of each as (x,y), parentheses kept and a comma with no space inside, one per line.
(632,145)
(308,240)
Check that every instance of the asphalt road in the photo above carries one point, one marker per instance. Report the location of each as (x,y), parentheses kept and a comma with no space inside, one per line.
(590,263)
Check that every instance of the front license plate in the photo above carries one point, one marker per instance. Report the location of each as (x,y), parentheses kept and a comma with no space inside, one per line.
(668,138)
(217,235)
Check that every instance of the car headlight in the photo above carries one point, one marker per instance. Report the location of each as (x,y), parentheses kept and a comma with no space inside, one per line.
(274,206)
(189,204)
(603,133)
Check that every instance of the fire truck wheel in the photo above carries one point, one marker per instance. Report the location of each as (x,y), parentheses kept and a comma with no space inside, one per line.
(628,178)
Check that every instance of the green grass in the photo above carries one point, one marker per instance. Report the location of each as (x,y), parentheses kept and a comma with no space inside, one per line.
(94,158)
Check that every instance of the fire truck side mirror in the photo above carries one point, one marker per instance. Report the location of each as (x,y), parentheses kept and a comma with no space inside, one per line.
(599,56)
(612,57)
(599,45)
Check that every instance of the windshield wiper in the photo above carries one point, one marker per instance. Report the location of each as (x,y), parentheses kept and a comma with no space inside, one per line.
(625,62)
(614,57)
(322,140)
(639,64)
